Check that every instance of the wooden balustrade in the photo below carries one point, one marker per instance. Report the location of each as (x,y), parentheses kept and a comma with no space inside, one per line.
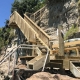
(37,15)
(42,35)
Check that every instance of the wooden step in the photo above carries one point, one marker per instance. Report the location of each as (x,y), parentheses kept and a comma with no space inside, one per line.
(37,62)
(54,65)
(26,57)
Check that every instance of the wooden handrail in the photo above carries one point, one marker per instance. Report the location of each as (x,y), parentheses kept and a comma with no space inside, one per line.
(42,35)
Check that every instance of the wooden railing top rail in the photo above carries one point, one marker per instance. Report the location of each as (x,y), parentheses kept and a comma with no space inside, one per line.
(37,26)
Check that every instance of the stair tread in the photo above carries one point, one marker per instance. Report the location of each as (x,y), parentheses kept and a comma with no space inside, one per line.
(26,57)
(21,66)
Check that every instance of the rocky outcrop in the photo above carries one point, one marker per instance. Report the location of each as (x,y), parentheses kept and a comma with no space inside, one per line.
(48,76)
(60,13)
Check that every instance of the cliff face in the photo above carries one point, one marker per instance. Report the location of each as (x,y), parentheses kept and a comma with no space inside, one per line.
(60,13)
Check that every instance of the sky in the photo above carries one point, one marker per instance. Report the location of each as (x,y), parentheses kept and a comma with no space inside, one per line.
(5,11)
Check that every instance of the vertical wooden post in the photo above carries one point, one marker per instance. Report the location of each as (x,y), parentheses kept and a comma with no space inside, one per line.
(33,50)
(61,41)
(34,17)
(51,43)
(77,50)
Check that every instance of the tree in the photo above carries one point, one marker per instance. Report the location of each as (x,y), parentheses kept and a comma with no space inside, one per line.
(27,6)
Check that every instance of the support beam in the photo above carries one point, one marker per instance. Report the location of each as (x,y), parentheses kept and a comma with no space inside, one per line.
(77,50)
(61,41)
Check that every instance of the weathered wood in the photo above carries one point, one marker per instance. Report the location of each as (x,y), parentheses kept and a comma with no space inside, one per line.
(24,26)
(73,43)
(68,49)
(75,68)
(30,29)
(26,57)
(37,62)
(54,65)
(61,41)
(42,35)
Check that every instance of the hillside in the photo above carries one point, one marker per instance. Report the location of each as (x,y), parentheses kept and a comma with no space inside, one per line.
(6,36)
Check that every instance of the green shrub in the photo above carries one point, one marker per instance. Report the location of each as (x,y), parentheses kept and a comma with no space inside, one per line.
(71,31)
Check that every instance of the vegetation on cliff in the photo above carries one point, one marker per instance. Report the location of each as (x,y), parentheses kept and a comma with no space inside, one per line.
(6,35)
(74,29)
(27,6)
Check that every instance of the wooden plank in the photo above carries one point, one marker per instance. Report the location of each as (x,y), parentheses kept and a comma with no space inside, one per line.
(74,43)
(66,49)
(37,62)
(24,26)
(54,64)
(26,57)
(61,41)
(44,37)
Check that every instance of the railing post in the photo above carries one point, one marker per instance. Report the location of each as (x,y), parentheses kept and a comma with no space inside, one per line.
(45,60)
(77,50)
(34,17)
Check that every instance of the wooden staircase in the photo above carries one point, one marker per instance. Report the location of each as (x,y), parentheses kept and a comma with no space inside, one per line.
(31,31)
